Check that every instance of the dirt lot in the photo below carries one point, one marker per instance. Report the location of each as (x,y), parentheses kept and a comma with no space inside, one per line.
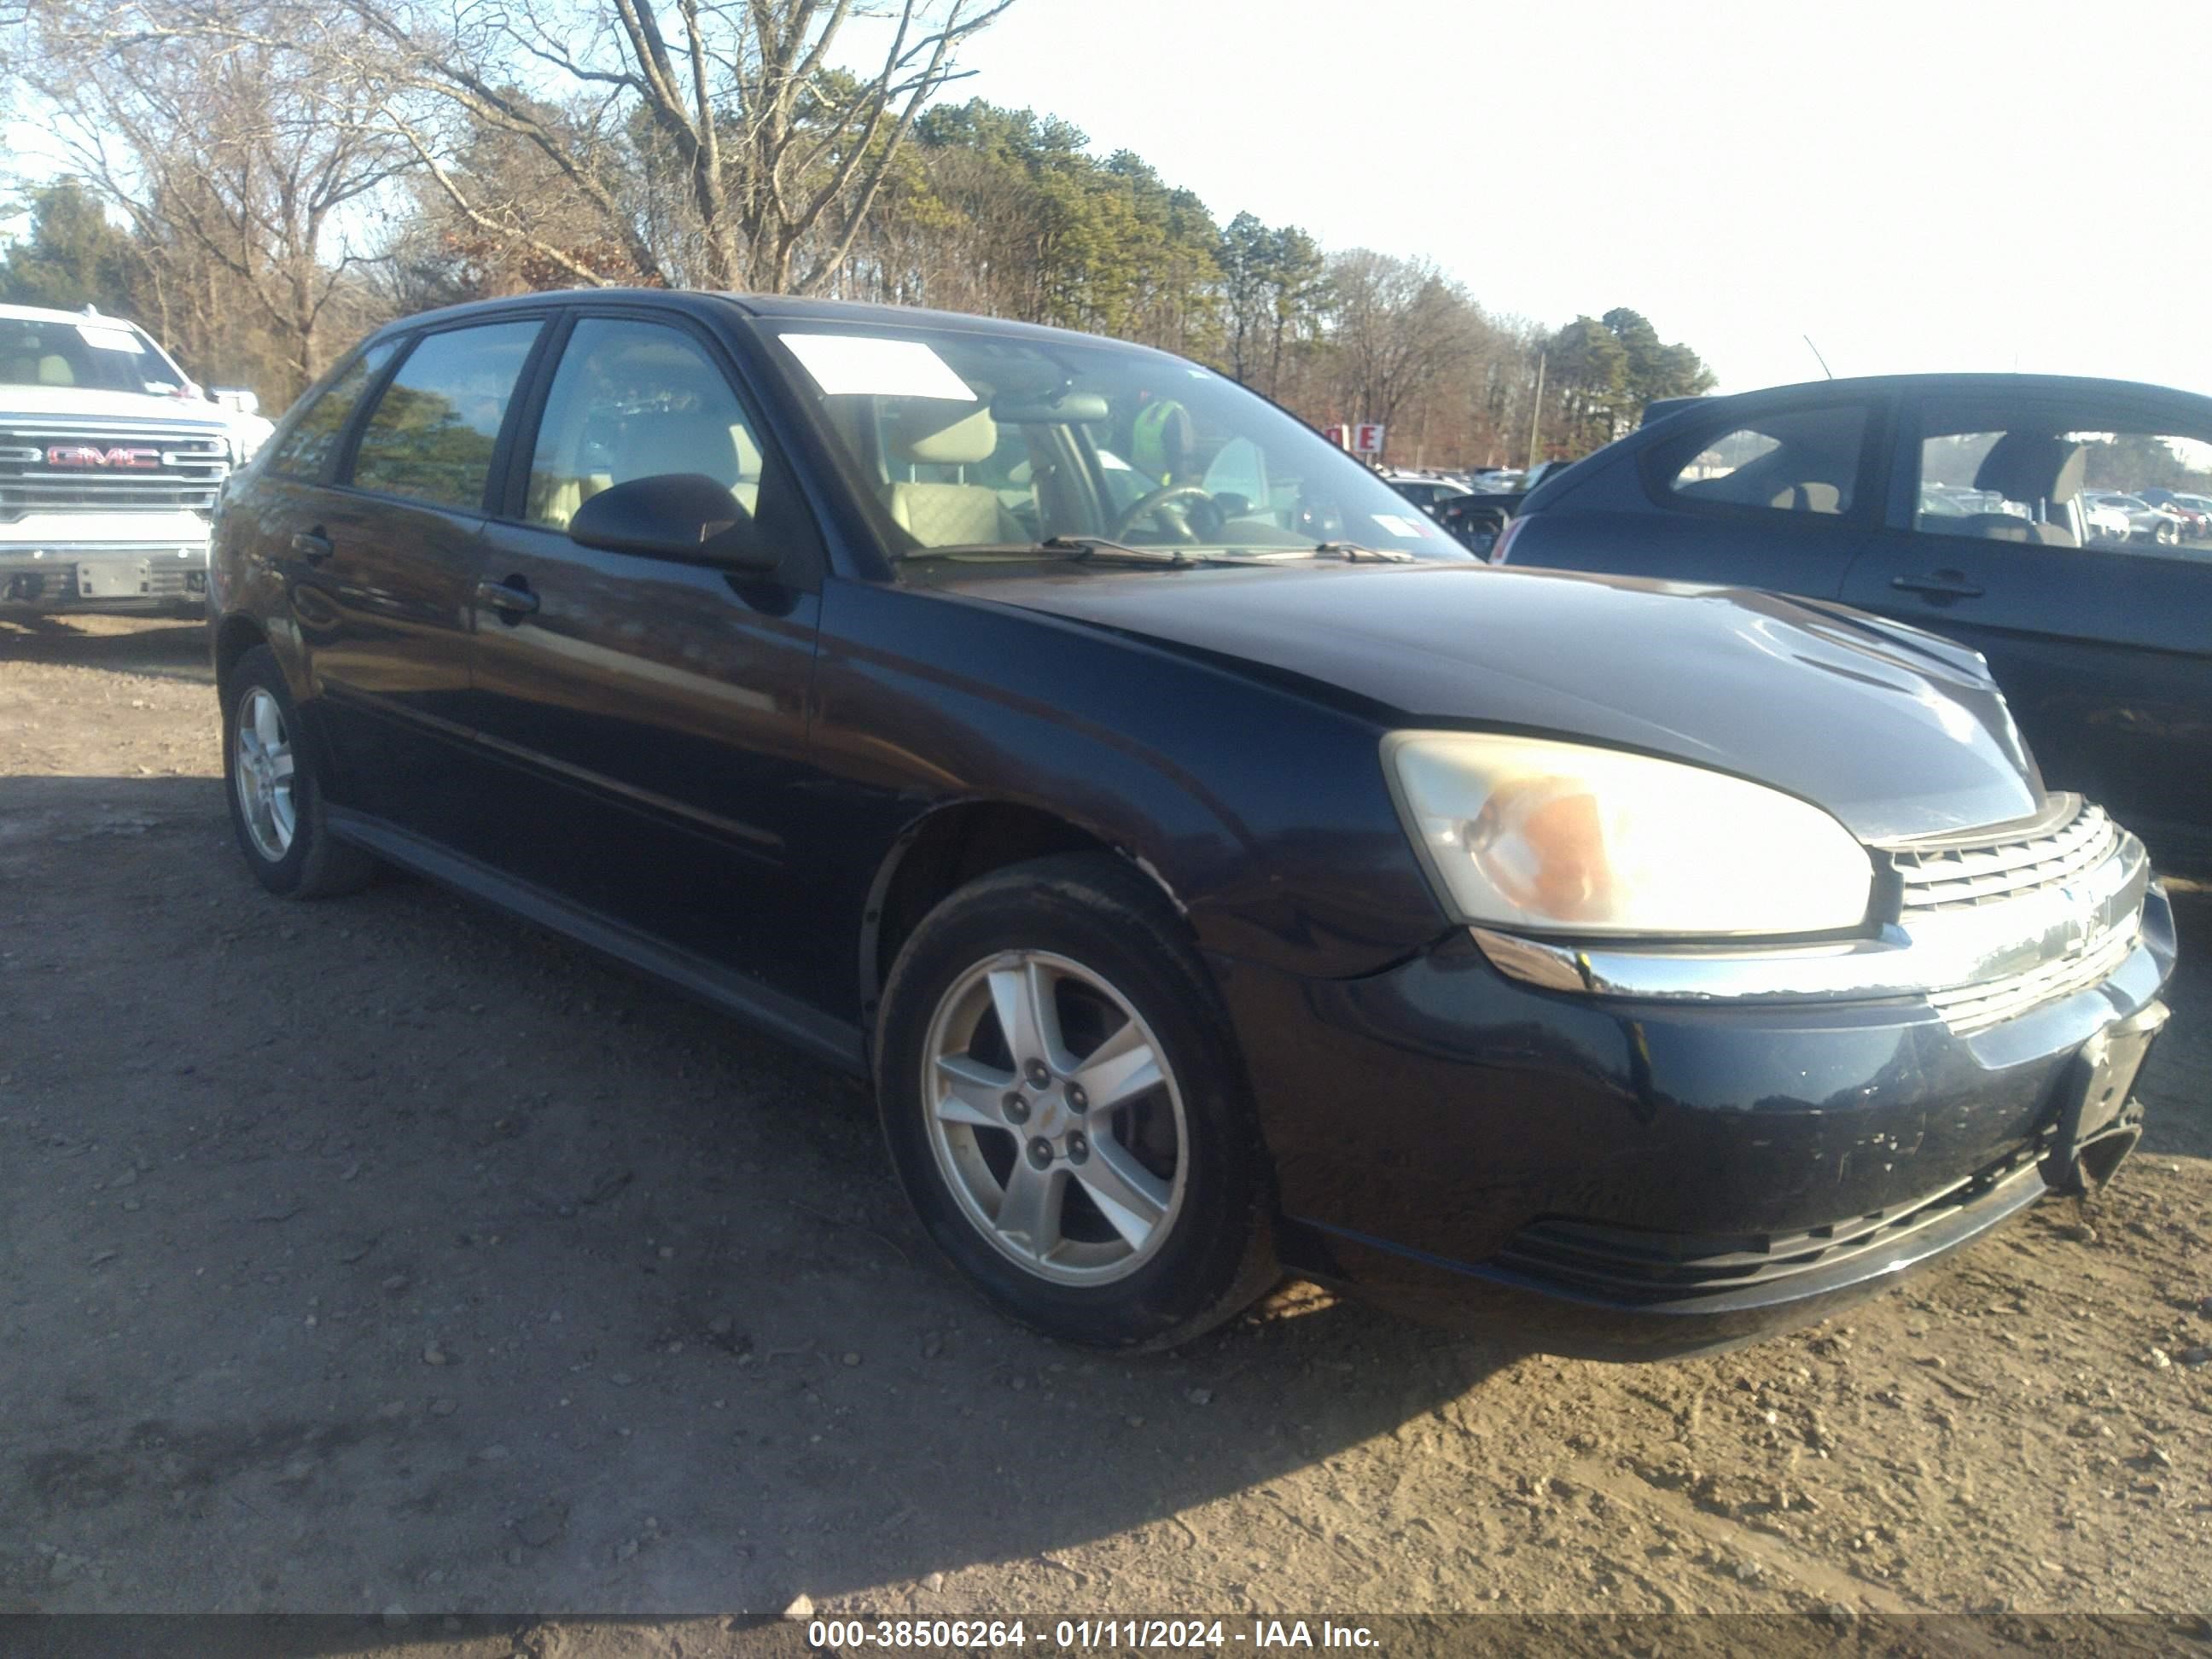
(387,1254)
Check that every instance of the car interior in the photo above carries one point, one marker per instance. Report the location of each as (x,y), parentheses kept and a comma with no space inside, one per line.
(2042,473)
(1805,461)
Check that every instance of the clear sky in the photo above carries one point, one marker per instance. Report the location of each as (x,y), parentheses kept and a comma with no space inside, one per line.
(1945,185)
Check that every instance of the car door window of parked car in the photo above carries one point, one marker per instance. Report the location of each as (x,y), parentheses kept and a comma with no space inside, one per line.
(2123,491)
(1800,461)
(634,399)
(431,436)
(306,450)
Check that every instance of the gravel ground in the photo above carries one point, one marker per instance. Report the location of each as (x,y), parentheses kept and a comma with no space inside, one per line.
(387,1255)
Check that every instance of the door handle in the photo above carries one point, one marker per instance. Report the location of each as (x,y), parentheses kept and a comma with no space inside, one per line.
(511,598)
(1941,584)
(312,546)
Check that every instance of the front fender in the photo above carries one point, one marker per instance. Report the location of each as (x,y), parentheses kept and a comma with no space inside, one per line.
(1264,813)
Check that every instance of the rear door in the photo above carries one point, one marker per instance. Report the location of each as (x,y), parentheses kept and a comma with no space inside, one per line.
(647,718)
(1782,496)
(382,565)
(2100,636)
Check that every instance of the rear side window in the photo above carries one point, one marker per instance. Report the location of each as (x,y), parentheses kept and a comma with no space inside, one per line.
(431,436)
(2039,480)
(306,450)
(1793,461)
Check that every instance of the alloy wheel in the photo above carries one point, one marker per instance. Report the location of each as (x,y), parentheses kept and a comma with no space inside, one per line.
(1054,1117)
(263,769)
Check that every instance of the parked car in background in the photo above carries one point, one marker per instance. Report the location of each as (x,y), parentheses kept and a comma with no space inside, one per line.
(2201,505)
(1220,878)
(1479,518)
(2105,522)
(2146,523)
(2194,511)
(2101,643)
(1425,489)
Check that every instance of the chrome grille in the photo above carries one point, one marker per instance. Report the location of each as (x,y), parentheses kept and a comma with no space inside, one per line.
(190,464)
(1954,877)
(1970,1008)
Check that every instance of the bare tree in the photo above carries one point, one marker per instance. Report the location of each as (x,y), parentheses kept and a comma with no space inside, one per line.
(777,154)
(246,161)
(1399,330)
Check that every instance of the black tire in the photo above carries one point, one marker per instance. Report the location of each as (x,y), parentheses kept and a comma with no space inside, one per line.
(312,863)
(1215,1252)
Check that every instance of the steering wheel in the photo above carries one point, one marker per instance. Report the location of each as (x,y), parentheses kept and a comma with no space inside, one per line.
(1138,509)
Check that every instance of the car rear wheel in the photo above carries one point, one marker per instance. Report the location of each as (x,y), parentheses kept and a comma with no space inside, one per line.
(1066,1109)
(276,805)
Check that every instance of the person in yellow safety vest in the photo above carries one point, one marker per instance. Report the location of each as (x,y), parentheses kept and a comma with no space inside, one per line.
(1163,442)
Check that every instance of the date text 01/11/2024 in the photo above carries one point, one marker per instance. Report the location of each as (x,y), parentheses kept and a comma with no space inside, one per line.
(1084,1633)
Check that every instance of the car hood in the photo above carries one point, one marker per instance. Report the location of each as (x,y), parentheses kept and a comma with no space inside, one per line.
(1897,732)
(44,401)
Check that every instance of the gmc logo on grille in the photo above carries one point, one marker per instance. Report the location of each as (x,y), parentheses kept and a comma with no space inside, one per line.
(86,455)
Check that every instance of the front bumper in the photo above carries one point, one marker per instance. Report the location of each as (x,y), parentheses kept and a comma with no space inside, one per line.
(160,567)
(1618,1175)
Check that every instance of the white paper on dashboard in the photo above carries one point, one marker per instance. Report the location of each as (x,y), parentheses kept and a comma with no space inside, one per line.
(856,365)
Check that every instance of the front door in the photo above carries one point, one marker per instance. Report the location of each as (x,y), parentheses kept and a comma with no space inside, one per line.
(2098,626)
(384,568)
(647,718)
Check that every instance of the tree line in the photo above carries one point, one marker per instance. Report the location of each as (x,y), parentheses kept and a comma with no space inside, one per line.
(259,181)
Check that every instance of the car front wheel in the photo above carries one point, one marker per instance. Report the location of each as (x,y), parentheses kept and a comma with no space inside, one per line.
(276,803)
(1066,1111)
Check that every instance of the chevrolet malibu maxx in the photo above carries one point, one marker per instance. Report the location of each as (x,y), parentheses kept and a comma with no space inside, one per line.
(1217,871)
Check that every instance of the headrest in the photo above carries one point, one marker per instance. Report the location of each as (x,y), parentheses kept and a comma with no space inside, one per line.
(938,432)
(2028,467)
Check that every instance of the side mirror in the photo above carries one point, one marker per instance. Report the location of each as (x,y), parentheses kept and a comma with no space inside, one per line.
(241,399)
(674,515)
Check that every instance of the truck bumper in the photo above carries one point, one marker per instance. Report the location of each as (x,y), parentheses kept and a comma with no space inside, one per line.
(126,576)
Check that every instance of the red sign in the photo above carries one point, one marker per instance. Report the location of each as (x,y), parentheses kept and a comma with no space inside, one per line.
(1368,438)
(86,455)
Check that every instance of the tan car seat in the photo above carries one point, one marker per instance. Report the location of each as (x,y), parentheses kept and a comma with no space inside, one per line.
(936,434)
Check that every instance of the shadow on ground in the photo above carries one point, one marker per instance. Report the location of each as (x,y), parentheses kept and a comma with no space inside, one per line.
(158,647)
(386,1252)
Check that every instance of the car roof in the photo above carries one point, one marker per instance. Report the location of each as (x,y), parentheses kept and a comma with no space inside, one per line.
(49,315)
(771,308)
(1666,410)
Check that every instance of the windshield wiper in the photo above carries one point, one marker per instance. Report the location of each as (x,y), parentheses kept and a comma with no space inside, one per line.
(1094,546)
(1352,552)
(1086,549)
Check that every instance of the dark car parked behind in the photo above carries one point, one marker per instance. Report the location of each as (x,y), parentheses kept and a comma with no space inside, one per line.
(1954,502)
(1217,870)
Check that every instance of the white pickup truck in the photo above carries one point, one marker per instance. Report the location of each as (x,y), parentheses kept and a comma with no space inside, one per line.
(111,458)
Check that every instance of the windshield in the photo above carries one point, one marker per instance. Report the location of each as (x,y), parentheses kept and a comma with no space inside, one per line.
(97,355)
(967,437)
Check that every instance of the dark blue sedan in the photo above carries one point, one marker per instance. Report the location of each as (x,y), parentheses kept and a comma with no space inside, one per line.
(1984,506)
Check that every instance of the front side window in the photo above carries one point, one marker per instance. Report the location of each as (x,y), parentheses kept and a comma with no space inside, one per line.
(2032,481)
(1793,461)
(306,450)
(634,400)
(431,436)
(972,437)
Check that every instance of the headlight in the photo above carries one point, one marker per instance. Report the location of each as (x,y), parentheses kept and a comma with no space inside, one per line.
(1558,837)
